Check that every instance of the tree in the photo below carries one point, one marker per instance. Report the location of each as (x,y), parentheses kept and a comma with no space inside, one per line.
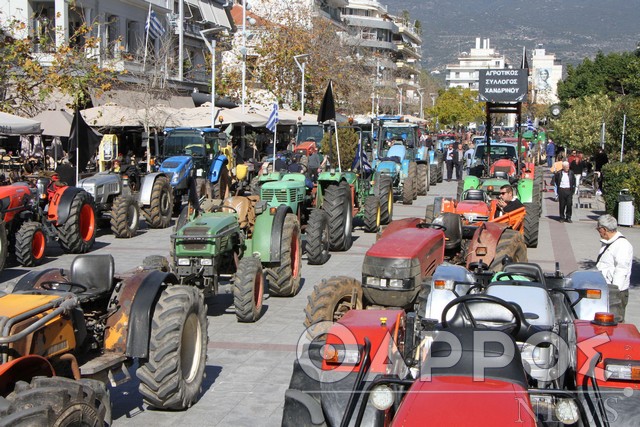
(347,139)
(457,106)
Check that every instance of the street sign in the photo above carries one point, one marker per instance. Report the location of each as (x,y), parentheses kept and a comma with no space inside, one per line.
(503,85)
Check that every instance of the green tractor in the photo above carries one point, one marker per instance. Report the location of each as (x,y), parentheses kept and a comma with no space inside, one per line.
(244,238)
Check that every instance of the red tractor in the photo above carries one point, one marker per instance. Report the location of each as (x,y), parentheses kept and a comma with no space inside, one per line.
(407,253)
(51,210)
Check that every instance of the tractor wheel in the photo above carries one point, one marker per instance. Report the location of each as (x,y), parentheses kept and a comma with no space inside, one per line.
(413,171)
(429,214)
(531,224)
(459,189)
(125,217)
(433,174)
(423,179)
(3,244)
(511,244)
(383,189)
(371,214)
(331,299)
(79,232)
(31,243)
(440,172)
(171,377)
(408,190)
(537,186)
(220,190)
(284,279)
(248,289)
(337,204)
(56,401)
(158,215)
(318,241)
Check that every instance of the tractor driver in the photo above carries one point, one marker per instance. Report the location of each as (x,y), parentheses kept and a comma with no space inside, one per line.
(507,202)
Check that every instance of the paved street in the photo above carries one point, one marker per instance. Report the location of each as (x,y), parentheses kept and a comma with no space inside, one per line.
(249,365)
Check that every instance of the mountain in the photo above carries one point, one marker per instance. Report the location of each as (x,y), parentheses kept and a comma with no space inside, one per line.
(572,29)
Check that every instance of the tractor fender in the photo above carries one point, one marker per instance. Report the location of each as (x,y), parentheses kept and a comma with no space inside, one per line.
(325,178)
(471,183)
(422,155)
(60,205)
(23,369)
(486,239)
(129,328)
(146,188)
(525,190)
(216,168)
(267,234)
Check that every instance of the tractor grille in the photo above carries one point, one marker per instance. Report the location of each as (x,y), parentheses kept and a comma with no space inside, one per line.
(195,231)
(289,195)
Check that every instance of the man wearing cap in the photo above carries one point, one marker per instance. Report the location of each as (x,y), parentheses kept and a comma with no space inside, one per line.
(565,182)
(614,261)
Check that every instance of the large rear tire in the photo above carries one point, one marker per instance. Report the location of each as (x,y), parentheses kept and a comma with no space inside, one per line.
(171,377)
(331,299)
(531,224)
(413,171)
(433,174)
(248,289)
(423,179)
(125,217)
(511,244)
(371,214)
(337,204)
(158,215)
(78,233)
(408,189)
(383,189)
(284,279)
(56,401)
(318,241)
(31,244)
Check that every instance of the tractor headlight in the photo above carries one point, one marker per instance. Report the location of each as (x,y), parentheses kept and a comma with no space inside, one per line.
(625,370)
(382,397)
(184,261)
(395,283)
(206,261)
(567,411)
(373,281)
(90,188)
(174,178)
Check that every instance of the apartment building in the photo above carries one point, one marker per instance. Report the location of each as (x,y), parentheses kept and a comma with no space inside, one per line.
(464,74)
(546,73)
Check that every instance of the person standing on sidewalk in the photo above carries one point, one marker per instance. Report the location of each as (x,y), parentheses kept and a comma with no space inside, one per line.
(614,261)
(468,157)
(556,167)
(565,182)
(577,167)
(459,161)
(449,158)
(551,152)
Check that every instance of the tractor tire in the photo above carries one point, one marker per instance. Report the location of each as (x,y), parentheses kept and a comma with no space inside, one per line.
(219,190)
(284,279)
(331,299)
(318,242)
(78,233)
(156,262)
(31,244)
(510,244)
(423,179)
(171,377)
(125,217)
(337,204)
(433,174)
(4,249)
(383,189)
(56,401)
(459,190)
(158,215)
(440,173)
(371,214)
(429,214)
(537,186)
(248,290)
(413,171)
(531,224)
(408,190)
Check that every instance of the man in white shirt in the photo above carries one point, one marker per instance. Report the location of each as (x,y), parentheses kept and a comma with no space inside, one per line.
(614,261)
(468,157)
(565,182)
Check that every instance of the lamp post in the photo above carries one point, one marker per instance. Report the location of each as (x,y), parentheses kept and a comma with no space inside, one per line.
(211,45)
(419,91)
(301,63)
(400,104)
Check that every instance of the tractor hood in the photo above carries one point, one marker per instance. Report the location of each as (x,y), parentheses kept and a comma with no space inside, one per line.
(206,235)
(389,167)
(288,190)
(177,168)
(13,305)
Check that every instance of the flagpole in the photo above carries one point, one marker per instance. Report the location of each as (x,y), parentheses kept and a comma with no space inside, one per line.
(146,39)
(335,123)
(77,138)
(275,131)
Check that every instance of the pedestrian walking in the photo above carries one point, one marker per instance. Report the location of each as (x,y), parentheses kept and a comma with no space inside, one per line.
(468,156)
(551,152)
(600,159)
(565,181)
(556,167)
(459,161)
(577,167)
(448,158)
(614,261)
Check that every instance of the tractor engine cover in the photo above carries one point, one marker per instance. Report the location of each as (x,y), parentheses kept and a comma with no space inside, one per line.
(395,265)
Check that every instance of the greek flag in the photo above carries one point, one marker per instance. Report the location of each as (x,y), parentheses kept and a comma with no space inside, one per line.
(273,118)
(153,26)
(360,160)
(530,125)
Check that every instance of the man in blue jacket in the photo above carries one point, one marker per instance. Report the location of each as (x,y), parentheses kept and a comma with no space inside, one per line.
(551,152)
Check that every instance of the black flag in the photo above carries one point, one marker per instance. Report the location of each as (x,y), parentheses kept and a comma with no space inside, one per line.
(328,107)
(524,64)
(83,142)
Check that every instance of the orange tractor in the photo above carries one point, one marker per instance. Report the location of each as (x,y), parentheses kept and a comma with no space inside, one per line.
(50,211)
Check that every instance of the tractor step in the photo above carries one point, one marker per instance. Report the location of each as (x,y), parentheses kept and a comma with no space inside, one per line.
(101,363)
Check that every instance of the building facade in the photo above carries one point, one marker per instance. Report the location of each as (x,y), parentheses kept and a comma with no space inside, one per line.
(546,73)
(465,74)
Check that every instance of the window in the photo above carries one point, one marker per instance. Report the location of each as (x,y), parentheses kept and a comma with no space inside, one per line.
(111,36)
(133,37)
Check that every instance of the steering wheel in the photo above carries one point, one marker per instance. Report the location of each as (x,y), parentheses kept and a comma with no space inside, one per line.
(432,225)
(478,265)
(513,276)
(511,328)
(220,207)
(63,286)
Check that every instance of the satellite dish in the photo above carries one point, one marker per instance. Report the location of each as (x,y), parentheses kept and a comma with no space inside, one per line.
(556,110)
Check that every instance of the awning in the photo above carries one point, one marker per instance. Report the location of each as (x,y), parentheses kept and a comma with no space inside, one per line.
(134,99)
(55,123)
(111,115)
(16,125)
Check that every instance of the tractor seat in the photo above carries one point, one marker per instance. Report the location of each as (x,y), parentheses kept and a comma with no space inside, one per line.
(244,207)
(93,271)
(453,232)
(526,267)
(473,195)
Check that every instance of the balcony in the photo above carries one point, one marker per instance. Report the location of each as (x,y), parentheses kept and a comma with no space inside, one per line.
(408,50)
(366,22)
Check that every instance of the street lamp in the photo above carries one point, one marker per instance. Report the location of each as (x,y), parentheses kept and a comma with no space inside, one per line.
(400,107)
(211,45)
(301,66)
(420,95)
